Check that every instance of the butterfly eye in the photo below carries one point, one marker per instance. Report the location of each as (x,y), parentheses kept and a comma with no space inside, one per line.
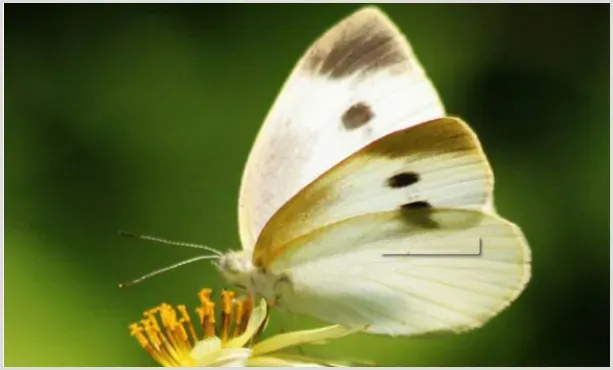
(228,264)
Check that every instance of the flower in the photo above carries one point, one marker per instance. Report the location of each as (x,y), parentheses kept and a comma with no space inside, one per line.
(170,337)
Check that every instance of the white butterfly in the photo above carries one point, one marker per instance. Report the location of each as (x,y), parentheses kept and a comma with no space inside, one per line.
(362,205)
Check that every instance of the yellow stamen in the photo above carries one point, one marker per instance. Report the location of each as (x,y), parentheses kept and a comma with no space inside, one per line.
(188,321)
(247,304)
(239,317)
(226,313)
(168,334)
(207,313)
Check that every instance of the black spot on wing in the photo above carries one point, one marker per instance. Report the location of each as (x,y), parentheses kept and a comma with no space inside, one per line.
(417,205)
(419,213)
(403,180)
(357,116)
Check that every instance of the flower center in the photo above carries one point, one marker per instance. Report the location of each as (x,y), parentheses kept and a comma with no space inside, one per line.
(168,334)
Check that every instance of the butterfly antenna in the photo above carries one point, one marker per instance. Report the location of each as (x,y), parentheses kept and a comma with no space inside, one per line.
(128,234)
(167,268)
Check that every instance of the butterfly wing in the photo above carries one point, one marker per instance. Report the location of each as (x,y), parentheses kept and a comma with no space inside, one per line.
(449,271)
(436,164)
(422,190)
(357,83)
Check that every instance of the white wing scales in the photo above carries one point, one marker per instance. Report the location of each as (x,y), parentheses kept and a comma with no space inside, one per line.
(357,83)
(339,275)
(435,164)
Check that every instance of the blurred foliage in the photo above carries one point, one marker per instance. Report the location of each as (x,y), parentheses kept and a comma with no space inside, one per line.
(141,117)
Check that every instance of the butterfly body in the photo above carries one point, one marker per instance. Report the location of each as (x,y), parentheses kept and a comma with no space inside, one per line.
(362,204)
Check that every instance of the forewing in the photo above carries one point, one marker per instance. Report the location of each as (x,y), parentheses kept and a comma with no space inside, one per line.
(355,84)
(436,164)
(406,272)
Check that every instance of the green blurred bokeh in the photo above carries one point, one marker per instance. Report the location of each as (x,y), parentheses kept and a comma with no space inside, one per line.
(141,117)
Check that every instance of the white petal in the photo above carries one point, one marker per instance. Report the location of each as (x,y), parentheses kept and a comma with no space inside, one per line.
(255,322)
(300,337)
(232,357)
(206,351)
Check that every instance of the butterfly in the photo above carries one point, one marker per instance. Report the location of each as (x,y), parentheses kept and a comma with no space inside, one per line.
(362,204)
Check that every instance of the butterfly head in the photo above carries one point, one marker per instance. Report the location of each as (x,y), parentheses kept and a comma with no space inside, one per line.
(236,267)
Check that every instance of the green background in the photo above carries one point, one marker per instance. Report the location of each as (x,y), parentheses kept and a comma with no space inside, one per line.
(140,117)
